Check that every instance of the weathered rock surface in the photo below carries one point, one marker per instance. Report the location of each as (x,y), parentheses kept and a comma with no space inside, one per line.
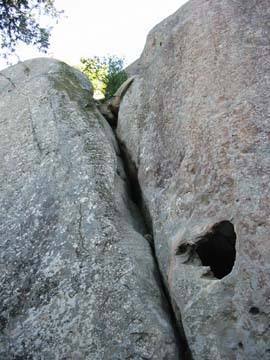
(195,122)
(78,279)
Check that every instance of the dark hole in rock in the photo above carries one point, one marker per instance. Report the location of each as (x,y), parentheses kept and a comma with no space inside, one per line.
(181,249)
(240,344)
(160,44)
(254,310)
(217,249)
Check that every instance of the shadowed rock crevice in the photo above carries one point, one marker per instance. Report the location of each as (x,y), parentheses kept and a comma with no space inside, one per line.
(136,196)
(134,188)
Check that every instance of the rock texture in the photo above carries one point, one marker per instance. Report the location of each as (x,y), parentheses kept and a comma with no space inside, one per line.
(195,122)
(78,279)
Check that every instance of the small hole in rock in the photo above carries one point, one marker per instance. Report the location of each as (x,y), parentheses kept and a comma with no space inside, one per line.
(254,310)
(216,249)
(240,344)
(182,249)
(160,44)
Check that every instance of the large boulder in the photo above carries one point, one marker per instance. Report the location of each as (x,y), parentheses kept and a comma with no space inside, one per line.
(195,122)
(78,278)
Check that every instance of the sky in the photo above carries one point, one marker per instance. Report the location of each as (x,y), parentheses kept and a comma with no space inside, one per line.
(101,28)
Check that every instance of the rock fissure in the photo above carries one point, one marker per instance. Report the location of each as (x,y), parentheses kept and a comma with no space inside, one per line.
(135,193)
(82,249)
(9,80)
(33,129)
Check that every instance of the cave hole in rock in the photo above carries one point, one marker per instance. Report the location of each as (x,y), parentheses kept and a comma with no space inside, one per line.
(216,249)
(254,310)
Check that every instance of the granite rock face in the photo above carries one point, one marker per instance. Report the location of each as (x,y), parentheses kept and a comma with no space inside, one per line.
(78,279)
(195,122)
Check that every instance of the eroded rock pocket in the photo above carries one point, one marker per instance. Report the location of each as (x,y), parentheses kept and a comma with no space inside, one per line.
(215,249)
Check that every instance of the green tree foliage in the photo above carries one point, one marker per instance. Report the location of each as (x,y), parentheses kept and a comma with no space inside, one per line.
(106,74)
(116,75)
(20,22)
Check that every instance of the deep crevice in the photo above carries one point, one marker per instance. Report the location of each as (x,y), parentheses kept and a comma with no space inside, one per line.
(134,188)
(136,196)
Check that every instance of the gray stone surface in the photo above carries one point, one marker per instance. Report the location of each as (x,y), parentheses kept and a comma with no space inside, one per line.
(196,123)
(78,279)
